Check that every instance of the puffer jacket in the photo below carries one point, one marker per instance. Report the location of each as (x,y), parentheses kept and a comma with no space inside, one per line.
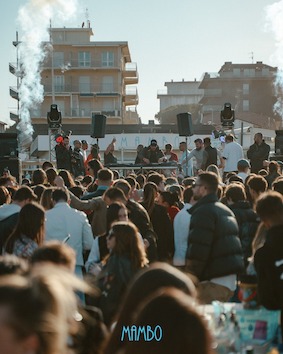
(269,268)
(248,222)
(214,248)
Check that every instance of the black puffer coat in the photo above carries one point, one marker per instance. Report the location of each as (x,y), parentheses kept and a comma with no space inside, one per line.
(214,248)
(248,222)
(268,263)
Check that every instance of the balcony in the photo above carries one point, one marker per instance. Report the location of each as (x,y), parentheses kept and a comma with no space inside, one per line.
(212,93)
(14,93)
(13,68)
(76,113)
(130,74)
(75,64)
(131,96)
(14,116)
(83,90)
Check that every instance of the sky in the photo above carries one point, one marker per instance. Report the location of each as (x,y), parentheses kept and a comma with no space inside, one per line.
(168,39)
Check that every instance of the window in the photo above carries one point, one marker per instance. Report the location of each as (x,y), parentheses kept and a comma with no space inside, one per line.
(85,108)
(237,72)
(107,84)
(249,72)
(84,59)
(265,71)
(246,105)
(59,83)
(108,105)
(107,59)
(58,59)
(84,84)
(246,89)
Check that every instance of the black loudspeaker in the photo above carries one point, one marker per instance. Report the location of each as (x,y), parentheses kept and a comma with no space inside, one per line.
(185,124)
(13,165)
(98,124)
(8,145)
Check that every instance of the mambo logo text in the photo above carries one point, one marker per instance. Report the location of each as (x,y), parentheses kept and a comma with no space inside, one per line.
(137,333)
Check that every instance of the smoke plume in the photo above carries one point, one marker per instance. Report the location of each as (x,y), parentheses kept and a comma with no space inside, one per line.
(34,19)
(274,15)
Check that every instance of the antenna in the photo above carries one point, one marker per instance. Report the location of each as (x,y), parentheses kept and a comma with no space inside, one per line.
(252,56)
(87,17)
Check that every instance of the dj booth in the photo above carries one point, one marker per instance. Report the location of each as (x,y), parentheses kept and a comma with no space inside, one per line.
(142,167)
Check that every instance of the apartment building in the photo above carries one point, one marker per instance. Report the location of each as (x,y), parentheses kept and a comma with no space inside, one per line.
(178,97)
(82,77)
(248,87)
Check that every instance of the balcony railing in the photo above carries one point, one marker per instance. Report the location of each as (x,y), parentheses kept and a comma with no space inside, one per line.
(77,113)
(130,70)
(65,65)
(96,89)
(212,93)
(131,96)
(14,92)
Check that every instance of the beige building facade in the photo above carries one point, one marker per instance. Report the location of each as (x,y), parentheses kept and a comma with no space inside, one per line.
(84,77)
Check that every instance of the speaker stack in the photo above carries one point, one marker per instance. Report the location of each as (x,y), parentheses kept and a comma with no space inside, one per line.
(9,155)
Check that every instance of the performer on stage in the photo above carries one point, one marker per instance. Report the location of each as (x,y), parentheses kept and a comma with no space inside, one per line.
(152,153)
(63,153)
(108,154)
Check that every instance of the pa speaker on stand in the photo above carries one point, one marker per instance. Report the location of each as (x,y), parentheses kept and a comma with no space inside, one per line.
(98,125)
(185,128)
(185,124)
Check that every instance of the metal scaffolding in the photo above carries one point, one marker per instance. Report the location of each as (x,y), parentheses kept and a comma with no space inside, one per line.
(52,133)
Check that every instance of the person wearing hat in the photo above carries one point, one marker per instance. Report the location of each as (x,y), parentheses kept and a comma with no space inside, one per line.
(243,166)
(152,153)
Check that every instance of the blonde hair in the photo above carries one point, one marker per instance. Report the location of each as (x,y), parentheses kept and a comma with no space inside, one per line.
(42,304)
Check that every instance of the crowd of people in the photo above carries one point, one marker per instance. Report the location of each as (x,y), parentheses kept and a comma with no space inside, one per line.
(88,254)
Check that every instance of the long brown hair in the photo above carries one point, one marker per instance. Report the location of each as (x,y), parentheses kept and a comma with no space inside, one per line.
(46,198)
(144,284)
(128,243)
(149,194)
(183,330)
(31,223)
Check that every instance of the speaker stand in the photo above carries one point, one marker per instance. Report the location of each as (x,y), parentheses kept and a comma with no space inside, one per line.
(187,162)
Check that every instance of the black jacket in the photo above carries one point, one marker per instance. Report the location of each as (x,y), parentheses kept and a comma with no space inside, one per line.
(211,156)
(268,263)
(248,222)
(163,228)
(139,216)
(63,157)
(78,163)
(113,281)
(153,156)
(257,154)
(214,248)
